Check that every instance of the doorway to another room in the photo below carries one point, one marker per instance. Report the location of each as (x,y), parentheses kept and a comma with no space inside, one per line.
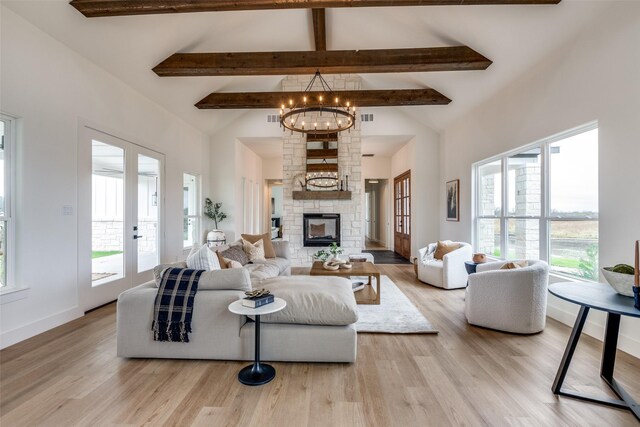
(402,214)
(275,207)
(376,214)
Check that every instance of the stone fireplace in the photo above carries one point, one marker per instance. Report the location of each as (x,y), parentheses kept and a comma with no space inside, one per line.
(320,230)
(351,233)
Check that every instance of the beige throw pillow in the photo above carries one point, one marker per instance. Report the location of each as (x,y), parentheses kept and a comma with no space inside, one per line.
(444,248)
(269,251)
(514,265)
(255,251)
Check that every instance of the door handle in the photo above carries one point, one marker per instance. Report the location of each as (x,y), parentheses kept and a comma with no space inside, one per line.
(135,236)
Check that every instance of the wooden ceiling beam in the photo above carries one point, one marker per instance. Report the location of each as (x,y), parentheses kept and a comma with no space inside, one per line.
(457,58)
(359,98)
(319,29)
(97,8)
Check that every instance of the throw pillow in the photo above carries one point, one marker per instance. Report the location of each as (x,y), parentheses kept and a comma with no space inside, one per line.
(232,264)
(269,251)
(514,265)
(255,251)
(444,248)
(235,253)
(222,261)
(203,259)
(317,230)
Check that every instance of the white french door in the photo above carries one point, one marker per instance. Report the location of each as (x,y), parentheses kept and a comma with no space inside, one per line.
(120,202)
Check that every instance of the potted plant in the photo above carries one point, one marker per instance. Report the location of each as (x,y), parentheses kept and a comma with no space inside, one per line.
(328,254)
(213,211)
(335,250)
(321,255)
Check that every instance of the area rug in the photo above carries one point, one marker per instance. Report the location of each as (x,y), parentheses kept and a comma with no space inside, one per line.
(395,314)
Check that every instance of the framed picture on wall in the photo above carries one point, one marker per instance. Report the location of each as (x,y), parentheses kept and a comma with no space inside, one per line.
(453,200)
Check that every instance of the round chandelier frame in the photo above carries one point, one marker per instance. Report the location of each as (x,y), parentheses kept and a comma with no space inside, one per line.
(334,117)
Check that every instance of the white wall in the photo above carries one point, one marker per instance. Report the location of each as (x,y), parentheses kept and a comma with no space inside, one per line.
(225,166)
(50,89)
(421,156)
(248,170)
(593,78)
(379,167)
(272,168)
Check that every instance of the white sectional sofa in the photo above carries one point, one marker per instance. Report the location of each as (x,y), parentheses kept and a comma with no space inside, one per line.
(305,330)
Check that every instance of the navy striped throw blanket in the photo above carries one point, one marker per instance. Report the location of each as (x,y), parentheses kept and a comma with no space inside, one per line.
(173,308)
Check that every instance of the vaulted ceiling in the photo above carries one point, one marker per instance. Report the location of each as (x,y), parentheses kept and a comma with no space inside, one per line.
(515,38)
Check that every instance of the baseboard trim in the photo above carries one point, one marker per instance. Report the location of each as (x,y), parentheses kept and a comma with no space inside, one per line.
(594,326)
(32,329)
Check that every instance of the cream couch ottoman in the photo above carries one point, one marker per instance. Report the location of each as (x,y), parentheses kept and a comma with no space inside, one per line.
(316,326)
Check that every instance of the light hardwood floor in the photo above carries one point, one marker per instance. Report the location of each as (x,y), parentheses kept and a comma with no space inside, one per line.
(463,376)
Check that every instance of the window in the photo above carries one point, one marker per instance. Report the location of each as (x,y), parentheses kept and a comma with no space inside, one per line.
(541,202)
(191,219)
(6,219)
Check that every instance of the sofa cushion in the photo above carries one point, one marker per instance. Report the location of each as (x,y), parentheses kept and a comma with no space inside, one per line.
(444,247)
(159,269)
(312,300)
(260,272)
(229,279)
(203,259)
(235,253)
(280,263)
(269,251)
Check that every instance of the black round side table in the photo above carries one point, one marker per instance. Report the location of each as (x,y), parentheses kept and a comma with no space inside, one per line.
(598,296)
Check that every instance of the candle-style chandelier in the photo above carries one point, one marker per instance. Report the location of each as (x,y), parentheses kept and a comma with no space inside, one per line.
(333,114)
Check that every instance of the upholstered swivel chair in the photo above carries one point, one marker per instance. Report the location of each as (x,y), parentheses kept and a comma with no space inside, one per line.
(448,272)
(508,300)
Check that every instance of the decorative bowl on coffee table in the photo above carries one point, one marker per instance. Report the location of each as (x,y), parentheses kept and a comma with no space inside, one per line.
(620,282)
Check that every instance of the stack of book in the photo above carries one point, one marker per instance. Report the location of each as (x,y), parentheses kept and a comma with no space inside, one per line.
(257,301)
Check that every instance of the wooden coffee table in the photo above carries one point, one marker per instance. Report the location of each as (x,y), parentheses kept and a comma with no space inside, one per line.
(368,295)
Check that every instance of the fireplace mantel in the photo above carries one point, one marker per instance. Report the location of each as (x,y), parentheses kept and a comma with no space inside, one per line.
(322,195)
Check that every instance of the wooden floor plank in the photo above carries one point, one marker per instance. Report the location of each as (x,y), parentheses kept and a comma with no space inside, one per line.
(463,376)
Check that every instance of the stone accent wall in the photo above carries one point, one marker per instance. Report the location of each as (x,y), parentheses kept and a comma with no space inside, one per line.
(527,231)
(108,236)
(349,163)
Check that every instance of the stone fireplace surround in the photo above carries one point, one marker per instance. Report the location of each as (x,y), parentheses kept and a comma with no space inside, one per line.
(349,163)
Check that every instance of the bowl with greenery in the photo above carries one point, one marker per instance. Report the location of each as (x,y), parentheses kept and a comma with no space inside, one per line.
(620,277)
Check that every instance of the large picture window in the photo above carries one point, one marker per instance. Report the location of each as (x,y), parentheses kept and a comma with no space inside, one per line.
(6,218)
(541,202)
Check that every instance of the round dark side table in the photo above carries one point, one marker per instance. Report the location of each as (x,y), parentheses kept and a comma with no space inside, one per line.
(258,373)
(598,296)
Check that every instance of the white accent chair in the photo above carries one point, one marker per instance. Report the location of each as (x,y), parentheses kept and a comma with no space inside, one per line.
(447,273)
(508,300)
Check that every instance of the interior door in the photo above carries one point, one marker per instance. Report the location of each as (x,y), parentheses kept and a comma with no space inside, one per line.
(119,215)
(402,214)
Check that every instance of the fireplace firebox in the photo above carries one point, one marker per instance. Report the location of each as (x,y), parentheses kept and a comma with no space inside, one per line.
(321,229)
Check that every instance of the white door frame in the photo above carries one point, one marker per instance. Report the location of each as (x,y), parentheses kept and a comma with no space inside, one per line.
(93,296)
